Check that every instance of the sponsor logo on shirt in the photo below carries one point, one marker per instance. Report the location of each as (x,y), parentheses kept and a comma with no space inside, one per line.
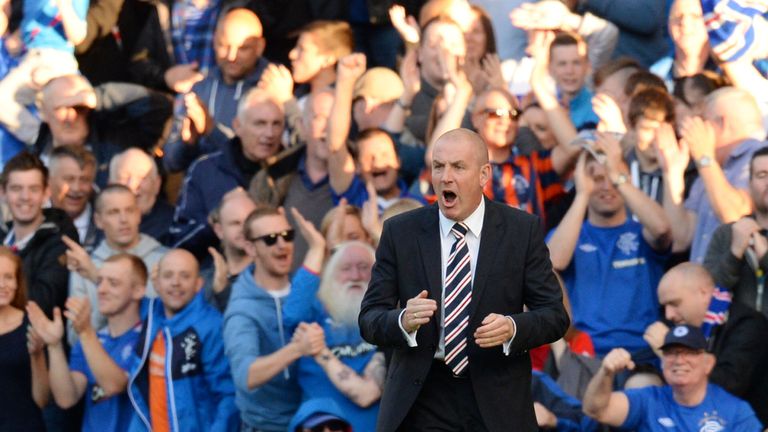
(619,264)
(352,350)
(666,422)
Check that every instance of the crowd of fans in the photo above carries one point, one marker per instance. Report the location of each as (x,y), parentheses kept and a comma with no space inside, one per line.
(193,192)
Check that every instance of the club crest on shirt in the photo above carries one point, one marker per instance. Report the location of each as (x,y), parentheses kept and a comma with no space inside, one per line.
(190,345)
(628,243)
(587,247)
(711,423)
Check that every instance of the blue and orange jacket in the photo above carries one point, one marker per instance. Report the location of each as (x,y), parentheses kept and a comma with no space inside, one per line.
(201,395)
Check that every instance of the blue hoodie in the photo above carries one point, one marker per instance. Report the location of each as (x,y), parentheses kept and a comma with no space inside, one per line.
(199,386)
(253,327)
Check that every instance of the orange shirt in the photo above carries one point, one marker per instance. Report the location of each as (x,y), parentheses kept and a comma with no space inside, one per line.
(158,393)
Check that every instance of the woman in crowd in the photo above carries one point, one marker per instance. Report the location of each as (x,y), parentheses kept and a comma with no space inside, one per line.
(23,375)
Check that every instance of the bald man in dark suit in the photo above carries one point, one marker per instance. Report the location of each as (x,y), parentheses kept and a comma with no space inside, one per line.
(447,296)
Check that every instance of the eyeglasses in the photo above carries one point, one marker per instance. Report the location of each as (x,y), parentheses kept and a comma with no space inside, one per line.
(497,113)
(271,239)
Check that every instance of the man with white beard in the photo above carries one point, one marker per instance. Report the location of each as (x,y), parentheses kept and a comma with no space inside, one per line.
(347,369)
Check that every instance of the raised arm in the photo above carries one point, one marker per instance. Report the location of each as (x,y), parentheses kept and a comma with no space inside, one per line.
(67,387)
(600,401)
(109,376)
(457,93)
(545,91)
(409,73)
(563,241)
(341,166)
(729,203)
(40,382)
(73,20)
(674,161)
(656,229)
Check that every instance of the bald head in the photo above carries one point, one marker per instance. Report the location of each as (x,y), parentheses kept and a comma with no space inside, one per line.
(739,110)
(178,259)
(243,20)
(460,171)
(469,139)
(238,43)
(690,275)
(685,292)
(178,280)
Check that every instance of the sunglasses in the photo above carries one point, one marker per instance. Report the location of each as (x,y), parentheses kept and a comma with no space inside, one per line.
(271,239)
(497,113)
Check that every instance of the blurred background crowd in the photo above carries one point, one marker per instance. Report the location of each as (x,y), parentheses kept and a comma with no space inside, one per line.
(193,191)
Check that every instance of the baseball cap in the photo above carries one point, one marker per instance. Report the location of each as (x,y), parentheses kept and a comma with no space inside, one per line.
(379,83)
(687,336)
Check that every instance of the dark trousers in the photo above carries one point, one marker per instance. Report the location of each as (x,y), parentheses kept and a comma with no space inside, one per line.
(445,404)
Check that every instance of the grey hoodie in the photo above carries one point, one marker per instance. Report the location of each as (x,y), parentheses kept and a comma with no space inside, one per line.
(148,249)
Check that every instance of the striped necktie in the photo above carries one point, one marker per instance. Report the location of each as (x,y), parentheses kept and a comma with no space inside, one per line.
(458,294)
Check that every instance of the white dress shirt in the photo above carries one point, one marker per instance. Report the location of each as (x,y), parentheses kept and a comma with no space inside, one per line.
(475,228)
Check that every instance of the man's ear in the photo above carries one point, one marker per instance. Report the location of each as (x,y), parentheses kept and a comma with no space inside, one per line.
(709,362)
(485,174)
(199,284)
(261,44)
(218,230)
(97,220)
(236,125)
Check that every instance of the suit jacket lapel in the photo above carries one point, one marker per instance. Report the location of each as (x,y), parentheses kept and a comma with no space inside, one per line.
(492,232)
(430,252)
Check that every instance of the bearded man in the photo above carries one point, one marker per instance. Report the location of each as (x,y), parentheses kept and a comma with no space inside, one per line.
(345,369)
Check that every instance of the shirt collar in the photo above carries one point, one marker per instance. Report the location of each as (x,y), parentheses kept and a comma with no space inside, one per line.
(474,222)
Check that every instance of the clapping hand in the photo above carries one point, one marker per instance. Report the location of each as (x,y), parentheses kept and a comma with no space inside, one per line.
(611,118)
(198,122)
(581,178)
(278,82)
(220,270)
(673,159)
(49,331)
(78,312)
(408,28)
(310,339)
(545,15)
(370,213)
(699,134)
(180,78)
(315,256)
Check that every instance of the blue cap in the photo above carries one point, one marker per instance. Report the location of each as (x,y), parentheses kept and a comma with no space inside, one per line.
(687,336)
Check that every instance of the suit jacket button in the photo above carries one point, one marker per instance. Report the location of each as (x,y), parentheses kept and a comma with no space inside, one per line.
(417,382)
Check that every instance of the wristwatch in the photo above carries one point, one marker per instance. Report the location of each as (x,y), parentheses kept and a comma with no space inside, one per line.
(620,180)
(703,161)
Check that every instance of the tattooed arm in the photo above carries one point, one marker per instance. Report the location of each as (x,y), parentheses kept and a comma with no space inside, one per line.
(364,390)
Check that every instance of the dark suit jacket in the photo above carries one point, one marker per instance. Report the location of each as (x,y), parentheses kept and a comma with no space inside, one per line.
(513,268)
(742,357)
